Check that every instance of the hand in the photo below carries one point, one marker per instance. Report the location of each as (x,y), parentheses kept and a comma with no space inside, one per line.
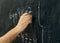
(24,20)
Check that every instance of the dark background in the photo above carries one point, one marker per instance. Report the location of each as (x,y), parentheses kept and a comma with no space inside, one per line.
(50,18)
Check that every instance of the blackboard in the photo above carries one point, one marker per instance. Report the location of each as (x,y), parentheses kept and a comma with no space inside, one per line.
(49,18)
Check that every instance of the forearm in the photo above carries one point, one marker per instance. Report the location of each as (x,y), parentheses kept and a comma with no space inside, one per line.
(11,35)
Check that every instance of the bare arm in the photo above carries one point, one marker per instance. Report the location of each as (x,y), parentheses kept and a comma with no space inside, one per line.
(24,20)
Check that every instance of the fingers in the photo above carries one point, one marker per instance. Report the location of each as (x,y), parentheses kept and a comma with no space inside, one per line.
(29,16)
(25,14)
(26,17)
